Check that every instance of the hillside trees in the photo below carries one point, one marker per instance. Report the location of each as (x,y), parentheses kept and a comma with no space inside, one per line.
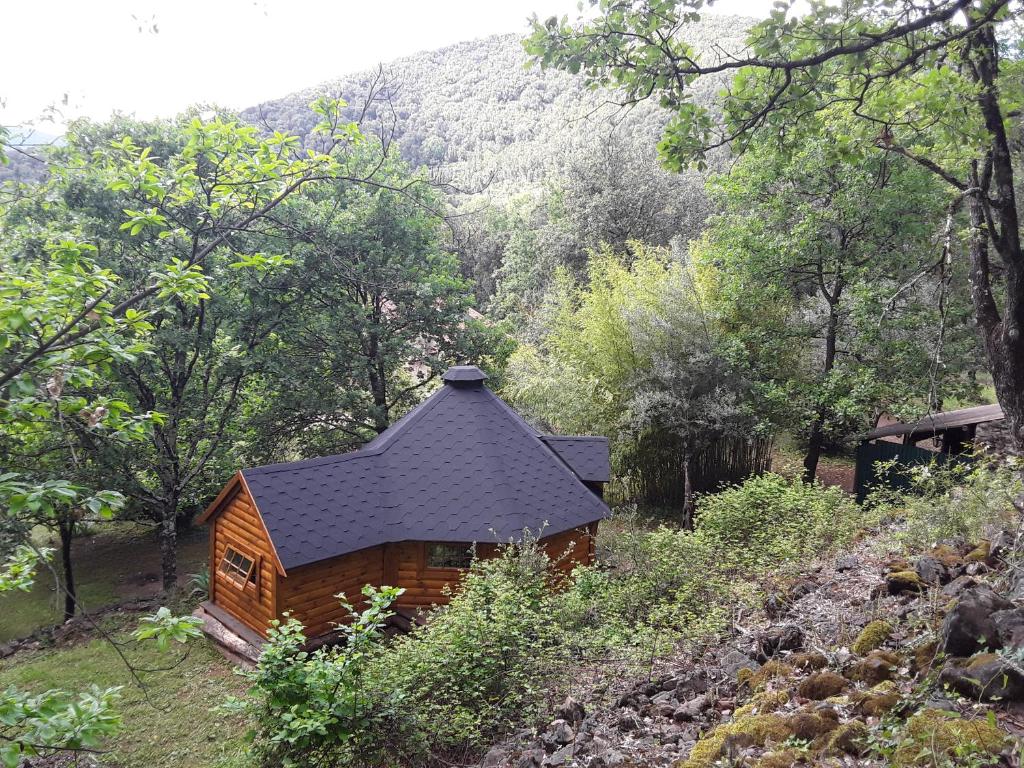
(630,354)
(380,311)
(939,85)
(818,257)
(196,199)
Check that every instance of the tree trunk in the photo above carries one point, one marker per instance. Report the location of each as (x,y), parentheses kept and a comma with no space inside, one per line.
(816,437)
(66,528)
(688,501)
(169,546)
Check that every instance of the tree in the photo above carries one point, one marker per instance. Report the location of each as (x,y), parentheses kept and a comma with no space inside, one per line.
(630,354)
(934,84)
(380,311)
(818,256)
(196,203)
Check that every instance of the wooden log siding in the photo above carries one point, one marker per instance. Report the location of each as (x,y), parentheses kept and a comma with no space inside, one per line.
(238,525)
(308,593)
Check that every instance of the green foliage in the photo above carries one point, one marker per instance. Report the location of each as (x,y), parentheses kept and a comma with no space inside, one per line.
(956,500)
(769,520)
(163,627)
(39,724)
(483,664)
(321,708)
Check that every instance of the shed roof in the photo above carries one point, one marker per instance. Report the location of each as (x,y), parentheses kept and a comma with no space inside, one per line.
(462,466)
(938,423)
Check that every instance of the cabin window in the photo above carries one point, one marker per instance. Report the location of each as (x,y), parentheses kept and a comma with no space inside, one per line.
(238,568)
(449,556)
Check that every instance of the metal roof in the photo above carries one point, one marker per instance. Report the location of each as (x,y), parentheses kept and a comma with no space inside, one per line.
(940,422)
(462,466)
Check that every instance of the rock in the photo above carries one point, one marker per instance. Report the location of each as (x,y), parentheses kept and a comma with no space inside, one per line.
(689,711)
(732,662)
(924,656)
(822,685)
(876,668)
(1009,627)
(969,627)
(530,758)
(958,585)
(800,589)
(903,583)
(976,569)
(847,563)
(571,711)
(693,684)
(663,698)
(876,704)
(1015,590)
(1002,543)
(558,757)
(931,571)
(985,677)
(873,635)
(609,759)
(629,721)
(787,637)
(495,757)
(558,734)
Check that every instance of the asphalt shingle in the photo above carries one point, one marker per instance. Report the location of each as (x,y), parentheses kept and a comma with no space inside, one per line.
(462,466)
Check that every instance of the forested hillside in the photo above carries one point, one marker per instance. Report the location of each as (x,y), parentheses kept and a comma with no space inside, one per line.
(477,113)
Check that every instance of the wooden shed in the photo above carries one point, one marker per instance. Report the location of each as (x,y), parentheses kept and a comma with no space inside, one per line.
(460,471)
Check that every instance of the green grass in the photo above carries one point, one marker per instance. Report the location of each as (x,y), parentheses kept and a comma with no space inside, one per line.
(167,724)
(120,562)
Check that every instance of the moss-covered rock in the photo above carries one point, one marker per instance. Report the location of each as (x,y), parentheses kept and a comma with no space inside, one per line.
(754,730)
(756,680)
(980,553)
(822,685)
(903,583)
(808,727)
(875,704)
(935,733)
(807,660)
(781,759)
(765,701)
(848,738)
(946,555)
(878,666)
(924,656)
(895,565)
(872,636)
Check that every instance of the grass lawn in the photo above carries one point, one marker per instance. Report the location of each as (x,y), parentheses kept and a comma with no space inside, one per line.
(119,562)
(169,723)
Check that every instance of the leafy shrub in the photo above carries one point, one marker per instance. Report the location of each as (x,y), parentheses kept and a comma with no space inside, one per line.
(769,520)
(656,588)
(320,708)
(484,662)
(953,501)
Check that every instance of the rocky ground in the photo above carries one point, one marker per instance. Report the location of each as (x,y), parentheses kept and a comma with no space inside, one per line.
(867,660)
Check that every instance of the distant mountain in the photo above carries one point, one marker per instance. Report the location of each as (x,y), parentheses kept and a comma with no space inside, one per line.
(474,112)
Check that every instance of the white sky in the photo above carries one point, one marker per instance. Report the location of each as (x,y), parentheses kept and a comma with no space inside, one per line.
(95,56)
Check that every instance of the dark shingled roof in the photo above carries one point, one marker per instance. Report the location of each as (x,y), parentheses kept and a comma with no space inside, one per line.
(462,466)
(940,422)
(586,456)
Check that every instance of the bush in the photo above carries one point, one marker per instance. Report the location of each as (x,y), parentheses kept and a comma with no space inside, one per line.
(656,589)
(484,663)
(959,501)
(769,520)
(321,708)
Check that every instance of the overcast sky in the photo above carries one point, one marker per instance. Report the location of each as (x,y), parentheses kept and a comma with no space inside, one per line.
(156,57)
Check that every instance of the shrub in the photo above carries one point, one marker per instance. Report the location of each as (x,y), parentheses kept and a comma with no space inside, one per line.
(484,662)
(769,520)
(953,501)
(321,708)
(663,586)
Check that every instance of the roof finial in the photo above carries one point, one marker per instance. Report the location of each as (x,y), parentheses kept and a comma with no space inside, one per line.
(464,375)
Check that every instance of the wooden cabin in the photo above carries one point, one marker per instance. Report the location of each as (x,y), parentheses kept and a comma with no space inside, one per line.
(461,471)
